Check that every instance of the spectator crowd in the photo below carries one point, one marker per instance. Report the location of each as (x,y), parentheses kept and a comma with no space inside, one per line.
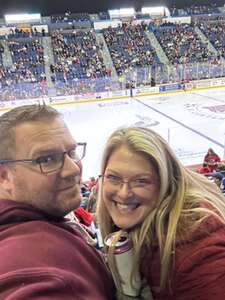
(79,62)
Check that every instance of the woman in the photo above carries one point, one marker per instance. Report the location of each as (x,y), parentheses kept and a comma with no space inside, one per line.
(211,159)
(174,217)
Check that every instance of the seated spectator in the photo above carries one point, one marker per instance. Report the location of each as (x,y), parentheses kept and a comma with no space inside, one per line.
(211,159)
(204,169)
(91,183)
(92,201)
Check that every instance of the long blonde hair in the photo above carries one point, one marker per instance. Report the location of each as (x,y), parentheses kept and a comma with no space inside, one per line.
(185,198)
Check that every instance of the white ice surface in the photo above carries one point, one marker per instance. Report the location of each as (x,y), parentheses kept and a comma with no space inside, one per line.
(191,122)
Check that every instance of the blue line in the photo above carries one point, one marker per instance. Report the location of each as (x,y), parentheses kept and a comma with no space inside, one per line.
(180,123)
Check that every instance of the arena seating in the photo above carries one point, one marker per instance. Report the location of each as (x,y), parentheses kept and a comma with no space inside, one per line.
(215,32)
(78,63)
(77,56)
(129,47)
(182,44)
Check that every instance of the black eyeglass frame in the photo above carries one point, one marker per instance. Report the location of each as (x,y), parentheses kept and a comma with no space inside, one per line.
(35,161)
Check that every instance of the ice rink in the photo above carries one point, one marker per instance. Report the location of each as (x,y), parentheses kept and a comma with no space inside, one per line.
(190,121)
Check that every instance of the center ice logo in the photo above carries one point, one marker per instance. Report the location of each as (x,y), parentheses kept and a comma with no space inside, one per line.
(209,111)
(216,109)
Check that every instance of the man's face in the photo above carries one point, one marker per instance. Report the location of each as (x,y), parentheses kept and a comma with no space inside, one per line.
(56,193)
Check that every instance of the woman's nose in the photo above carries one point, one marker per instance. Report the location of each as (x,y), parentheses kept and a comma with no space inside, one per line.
(124,190)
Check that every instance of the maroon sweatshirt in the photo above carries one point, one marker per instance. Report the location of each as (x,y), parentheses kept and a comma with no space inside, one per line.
(43,258)
(198,272)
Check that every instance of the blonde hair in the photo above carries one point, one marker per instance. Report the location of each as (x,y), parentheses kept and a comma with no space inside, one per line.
(185,198)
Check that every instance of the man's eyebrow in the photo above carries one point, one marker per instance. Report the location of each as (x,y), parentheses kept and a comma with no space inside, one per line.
(45,152)
(49,150)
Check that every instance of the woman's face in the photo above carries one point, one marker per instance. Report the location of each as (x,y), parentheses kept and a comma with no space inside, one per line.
(210,152)
(130,187)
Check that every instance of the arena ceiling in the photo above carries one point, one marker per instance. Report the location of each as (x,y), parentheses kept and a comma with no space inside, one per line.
(47,7)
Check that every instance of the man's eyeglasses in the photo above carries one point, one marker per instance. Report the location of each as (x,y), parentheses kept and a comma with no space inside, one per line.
(53,161)
(117,182)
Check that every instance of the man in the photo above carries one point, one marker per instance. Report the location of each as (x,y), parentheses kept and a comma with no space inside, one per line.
(41,256)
